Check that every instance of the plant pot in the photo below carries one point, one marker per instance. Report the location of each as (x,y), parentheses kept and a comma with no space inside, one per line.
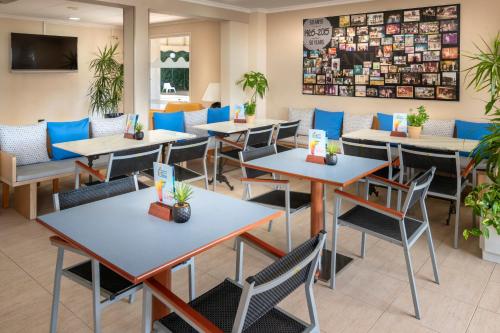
(414,131)
(139,135)
(331,159)
(491,246)
(181,213)
(113,115)
(250,119)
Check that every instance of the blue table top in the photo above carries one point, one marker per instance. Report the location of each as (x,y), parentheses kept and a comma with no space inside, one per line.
(121,234)
(348,169)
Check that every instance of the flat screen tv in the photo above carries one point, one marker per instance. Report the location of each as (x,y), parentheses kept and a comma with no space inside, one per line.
(43,52)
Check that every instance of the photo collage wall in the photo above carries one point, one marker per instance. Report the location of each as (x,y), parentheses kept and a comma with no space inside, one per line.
(407,53)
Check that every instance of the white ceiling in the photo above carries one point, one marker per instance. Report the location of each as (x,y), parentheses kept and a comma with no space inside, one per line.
(63,9)
(271,5)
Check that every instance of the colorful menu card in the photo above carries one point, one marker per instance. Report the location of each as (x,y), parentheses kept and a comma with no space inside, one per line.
(131,123)
(164,182)
(317,142)
(239,112)
(400,122)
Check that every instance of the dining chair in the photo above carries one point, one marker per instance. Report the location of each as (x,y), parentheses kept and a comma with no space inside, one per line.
(373,150)
(107,286)
(394,226)
(249,306)
(122,164)
(279,197)
(285,131)
(448,183)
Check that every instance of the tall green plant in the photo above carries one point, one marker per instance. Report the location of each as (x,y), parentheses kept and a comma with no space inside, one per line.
(484,75)
(106,88)
(257,82)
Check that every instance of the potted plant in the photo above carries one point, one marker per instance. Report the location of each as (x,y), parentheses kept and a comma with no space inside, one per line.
(416,121)
(106,88)
(331,153)
(181,210)
(139,134)
(257,82)
(485,198)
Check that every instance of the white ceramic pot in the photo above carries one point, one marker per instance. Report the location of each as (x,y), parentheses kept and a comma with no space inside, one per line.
(250,119)
(491,246)
(414,131)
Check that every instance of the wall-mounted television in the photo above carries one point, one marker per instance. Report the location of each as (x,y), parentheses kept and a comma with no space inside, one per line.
(43,52)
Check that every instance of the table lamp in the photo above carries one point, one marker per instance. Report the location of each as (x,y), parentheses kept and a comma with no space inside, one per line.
(212,95)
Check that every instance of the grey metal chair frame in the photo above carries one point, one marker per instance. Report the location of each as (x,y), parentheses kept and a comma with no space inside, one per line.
(460,185)
(398,217)
(109,298)
(172,148)
(288,125)
(248,135)
(249,290)
(275,184)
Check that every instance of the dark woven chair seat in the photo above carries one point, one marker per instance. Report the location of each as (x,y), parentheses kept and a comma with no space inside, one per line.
(378,223)
(281,148)
(232,153)
(276,198)
(183,174)
(384,173)
(220,304)
(111,282)
(444,184)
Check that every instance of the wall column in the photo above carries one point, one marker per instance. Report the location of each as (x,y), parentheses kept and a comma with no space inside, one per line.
(257,52)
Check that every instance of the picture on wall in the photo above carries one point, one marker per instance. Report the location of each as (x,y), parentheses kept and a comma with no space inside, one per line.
(408,53)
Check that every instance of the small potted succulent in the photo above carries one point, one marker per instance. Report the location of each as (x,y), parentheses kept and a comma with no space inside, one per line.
(331,154)
(181,210)
(139,134)
(416,121)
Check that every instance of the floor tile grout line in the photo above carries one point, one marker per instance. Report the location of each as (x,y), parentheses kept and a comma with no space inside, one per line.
(480,298)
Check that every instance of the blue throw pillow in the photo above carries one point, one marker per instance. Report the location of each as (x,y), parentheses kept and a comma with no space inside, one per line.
(173,121)
(217,115)
(384,121)
(470,130)
(64,132)
(330,122)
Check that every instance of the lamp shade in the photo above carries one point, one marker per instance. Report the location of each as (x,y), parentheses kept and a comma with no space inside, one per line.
(212,93)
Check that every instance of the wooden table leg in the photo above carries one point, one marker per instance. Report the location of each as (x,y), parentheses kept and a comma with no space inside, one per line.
(159,309)
(316,207)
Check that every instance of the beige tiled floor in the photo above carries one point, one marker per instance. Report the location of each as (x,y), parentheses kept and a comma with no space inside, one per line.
(372,294)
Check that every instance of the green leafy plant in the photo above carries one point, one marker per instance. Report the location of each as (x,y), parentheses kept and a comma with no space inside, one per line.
(183,193)
(419,118)
(139,127)
(484,75)
(106,88)
(332,148)
(257,82)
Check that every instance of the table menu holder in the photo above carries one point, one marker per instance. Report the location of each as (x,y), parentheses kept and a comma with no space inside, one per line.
(240,121)
(315,159)
(128,136)
(398,134)
(161,211)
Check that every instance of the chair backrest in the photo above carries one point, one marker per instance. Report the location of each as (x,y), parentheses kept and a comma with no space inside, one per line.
(187,150)
(287,130)
(132,161)
(418,189)
(366,148)
(445,161)
(88,194)
(263,291)
(253,154)
(259,135)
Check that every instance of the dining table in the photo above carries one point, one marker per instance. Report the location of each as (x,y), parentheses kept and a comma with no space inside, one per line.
(121,234)
(348,170)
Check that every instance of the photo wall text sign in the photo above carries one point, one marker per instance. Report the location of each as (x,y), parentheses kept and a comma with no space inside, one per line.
(408,53)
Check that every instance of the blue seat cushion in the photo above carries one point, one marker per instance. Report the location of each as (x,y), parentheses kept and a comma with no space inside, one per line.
(330,122)
(65,132)
(471,131)
(172,121)
(384,121)
(217,115)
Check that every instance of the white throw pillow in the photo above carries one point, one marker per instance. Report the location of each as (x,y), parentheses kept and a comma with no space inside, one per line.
(193,118)
(355,122)
(107,126)
(439,127)
(305,115)
(28,143)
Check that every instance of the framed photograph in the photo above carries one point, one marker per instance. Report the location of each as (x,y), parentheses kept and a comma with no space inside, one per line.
(447,12)
(412,15)
(387,51)
(449,78)
(448,25)
(387,92)
(320,79)
(346,91)
(420,39)
(349,80)
(425,92)
(338,32)
(377,32)
(358,19)
(429,14)
(429,28)
(371,92)
(376,81)
(450,53)
(309,78)
(351,31)
(335,64)
(404,92)
(399,60)
(411,78)
(362,79)
(417,68)
(332,51)
(362,47)
(362,31)
(450,38)
(344,21)
(446,93)
(308,89)
(375,19)
(431,67)
(414,58)
(430,79)
(319,89)
(331,90)
(375,42)
(409,49)
(351,47)
(363,39)
(360,91)
(431,55)
(449,66)
(376,65)
(420,47)
(394,18)
(409,28)
(392,78)
(392,29)
(409,40)
(386,41)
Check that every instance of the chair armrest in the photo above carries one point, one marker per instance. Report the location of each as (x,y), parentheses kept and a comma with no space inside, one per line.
(265,181)
(8,168)
(392,183)
(371,205)
(231,143)
(259,243)
(89,170)
(181,308)
(470,166)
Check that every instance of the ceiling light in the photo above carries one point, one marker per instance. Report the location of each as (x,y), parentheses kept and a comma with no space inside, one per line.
(72,18)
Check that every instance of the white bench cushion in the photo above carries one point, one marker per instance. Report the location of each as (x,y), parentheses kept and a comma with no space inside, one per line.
(54,168)
(193,118)
(355,122)
(107,126)
(439,127)
(305,115)
(28,143)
